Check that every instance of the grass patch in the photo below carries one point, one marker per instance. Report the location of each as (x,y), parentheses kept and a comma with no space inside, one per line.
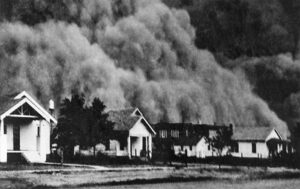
(18,166)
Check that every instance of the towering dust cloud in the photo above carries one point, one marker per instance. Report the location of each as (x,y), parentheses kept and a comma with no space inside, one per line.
(128,53)
(276,79)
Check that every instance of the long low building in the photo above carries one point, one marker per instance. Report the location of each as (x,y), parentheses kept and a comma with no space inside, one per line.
(192,140)
(259,142)
(186,139)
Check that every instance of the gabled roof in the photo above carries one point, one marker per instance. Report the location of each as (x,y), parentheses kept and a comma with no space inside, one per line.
(122,119)
(252,133)
(125,119)
(274,135)
(10,103)
(24,94)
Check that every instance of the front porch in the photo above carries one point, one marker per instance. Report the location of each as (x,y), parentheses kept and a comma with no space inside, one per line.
(139,146)
(130,146)
(22,139)
(278,147)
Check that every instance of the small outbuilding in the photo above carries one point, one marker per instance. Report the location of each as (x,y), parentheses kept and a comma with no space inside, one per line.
(193,147)
(25,129)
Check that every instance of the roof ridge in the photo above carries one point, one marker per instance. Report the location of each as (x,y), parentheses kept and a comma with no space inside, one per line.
(249,133)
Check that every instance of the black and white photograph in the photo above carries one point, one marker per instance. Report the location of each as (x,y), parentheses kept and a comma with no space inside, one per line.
(152,94)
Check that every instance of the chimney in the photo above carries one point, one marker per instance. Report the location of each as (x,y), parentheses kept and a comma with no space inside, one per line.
(231,128)
(51,106)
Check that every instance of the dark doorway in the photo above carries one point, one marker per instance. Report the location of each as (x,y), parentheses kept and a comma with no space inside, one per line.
(144,144)
(253,147)
(144,147)
(16,137)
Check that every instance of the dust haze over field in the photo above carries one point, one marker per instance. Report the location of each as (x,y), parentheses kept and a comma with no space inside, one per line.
(129,53)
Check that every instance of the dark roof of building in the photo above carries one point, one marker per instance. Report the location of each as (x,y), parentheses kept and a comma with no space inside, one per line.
(187,141)
(172,125)
(251,133)
(163,125)
(124,119)
(210,127)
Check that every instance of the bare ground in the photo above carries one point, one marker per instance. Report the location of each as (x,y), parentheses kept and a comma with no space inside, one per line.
(219,184)
(101,176)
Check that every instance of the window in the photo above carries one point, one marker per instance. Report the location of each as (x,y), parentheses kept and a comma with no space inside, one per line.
(122,146)
(38,131)
(289,148)
(163,133)
(284,147)
(5,129)
(208,147)
(175,133)
(187,133)
(253,147)
(191,148)
(235,147)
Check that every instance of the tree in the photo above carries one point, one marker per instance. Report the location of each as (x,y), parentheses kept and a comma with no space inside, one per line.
(70,125)
(296,140)
(99,127)
(221,141)
(81,125)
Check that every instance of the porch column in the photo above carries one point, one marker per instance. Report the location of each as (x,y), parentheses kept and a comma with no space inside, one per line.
(129,146)
(1,127)
(42,144)
(150,146)
(3,143)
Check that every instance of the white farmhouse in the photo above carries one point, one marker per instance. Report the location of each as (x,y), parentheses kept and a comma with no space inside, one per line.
(132,134)
(193,147)
(258,142)
(25,129)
